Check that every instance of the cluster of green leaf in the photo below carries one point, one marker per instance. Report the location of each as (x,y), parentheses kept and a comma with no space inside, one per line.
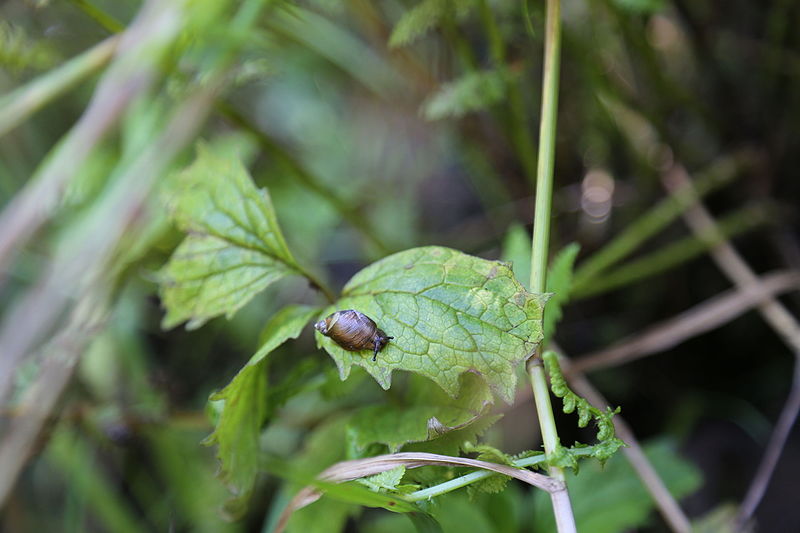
(339,181)
(608,443)
(458,321)
(425,16)
(474,92)
(18,52)
(609,498)
(449,314)
(234,249)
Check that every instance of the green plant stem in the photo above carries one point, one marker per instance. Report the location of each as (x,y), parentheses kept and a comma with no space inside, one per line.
(547,146)
(467,479)
(496,44)
(672,255)
(472,477)
(520,133)
(562,508)
(526,16)
(105,20)
(657,218)
(18,105)
(74,460)
(317,284)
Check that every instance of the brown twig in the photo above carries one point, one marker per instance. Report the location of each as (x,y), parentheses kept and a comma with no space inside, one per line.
(131,73)
(772,452)
(81,265)
(703,317)
(774,313)
(667,506)
(41,398)
(126,205)
(731,263)
(359,468)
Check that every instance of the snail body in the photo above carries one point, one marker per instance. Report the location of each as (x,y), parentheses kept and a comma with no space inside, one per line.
(353,331)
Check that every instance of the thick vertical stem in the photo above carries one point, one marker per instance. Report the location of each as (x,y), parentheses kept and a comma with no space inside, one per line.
(547,147)
(541,231)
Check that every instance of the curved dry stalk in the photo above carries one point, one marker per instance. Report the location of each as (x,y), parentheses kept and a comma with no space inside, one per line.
(772,453)
(703,317)
(731,263)
(18,105)
(49,299)
(41,399)
(774,313)
(359,468)
(131,73)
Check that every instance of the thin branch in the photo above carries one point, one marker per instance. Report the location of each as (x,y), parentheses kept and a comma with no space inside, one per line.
(130,75)
(42,397)
(731,263)
(18,105)
(359,468)
(719,173)
(774,313)
(772,453)
(701,318)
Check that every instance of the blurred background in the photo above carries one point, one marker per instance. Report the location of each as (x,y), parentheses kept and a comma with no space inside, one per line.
(374,132)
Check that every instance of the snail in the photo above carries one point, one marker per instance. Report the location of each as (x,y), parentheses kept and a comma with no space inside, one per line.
(353,331)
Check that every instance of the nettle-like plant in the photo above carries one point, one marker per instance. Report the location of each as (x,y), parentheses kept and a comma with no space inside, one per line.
(464,323)
(458,323)
(368,114)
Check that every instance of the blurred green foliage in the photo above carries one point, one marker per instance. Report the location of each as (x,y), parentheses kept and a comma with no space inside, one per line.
(378,127)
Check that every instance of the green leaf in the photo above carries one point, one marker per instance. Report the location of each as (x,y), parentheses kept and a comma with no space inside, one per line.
(323,516)
(457,513)
(384,481)
(234,249)
(425,16)
(427,413)
(721,519)
(449,313)
(493,484)
(612,498)
(286,324)
(559,284)
(417,21)
(473,393)
(237,432)
(246,405)
(424,523)
(640,6)
(396,426)
(453,441)
(606,435)
(474,91)
(348,492)
(353,492)
(489,454)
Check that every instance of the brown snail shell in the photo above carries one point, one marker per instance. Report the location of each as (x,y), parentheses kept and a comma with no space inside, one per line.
(353,331)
